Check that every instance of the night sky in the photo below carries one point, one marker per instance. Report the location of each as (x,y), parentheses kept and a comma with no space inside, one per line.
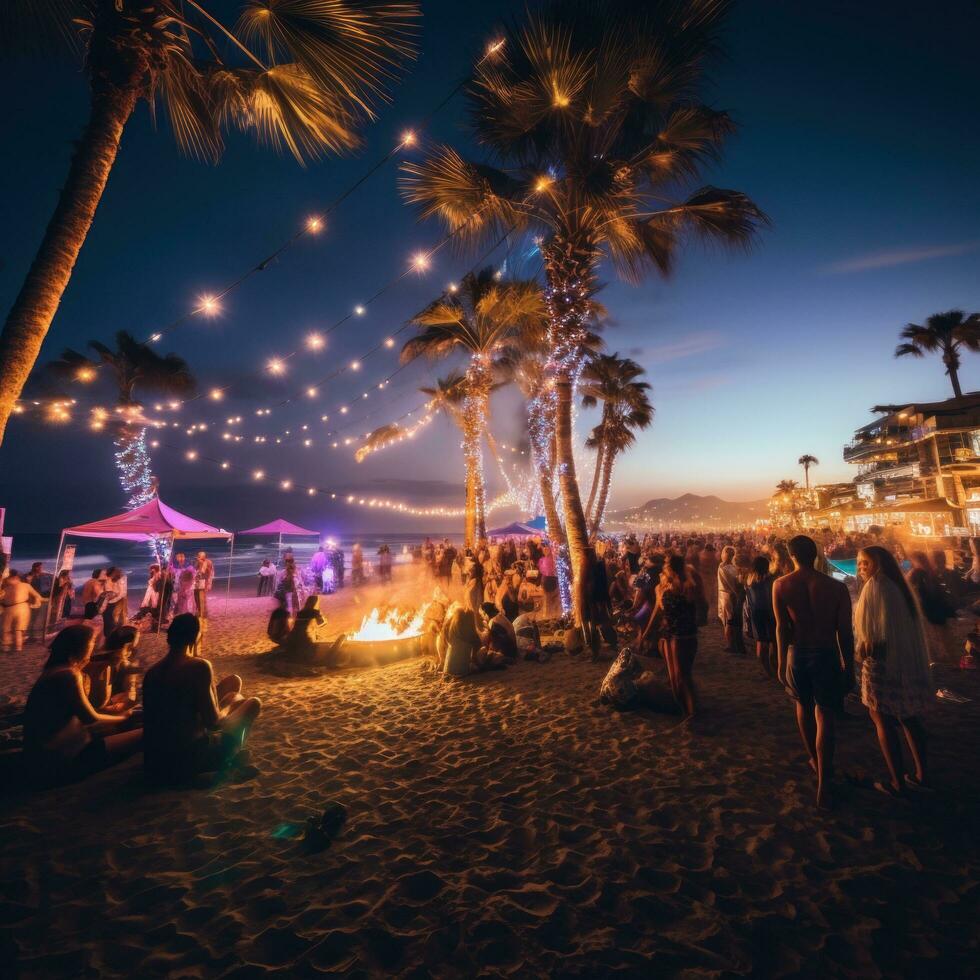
(858,136)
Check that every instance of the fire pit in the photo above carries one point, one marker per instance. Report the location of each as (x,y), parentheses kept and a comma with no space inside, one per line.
(385,637)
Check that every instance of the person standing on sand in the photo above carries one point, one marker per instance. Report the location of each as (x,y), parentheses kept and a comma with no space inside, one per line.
(815,653)
(203,580)
(731,595)
(896,683)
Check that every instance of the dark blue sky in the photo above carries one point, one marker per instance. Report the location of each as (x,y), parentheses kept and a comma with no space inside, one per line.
(858,136)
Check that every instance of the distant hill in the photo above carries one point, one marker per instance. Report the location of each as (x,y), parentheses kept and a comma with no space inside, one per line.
(690,510)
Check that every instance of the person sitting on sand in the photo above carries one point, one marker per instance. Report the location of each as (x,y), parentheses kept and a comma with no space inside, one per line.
(815,653)
(278,627)
(528,637)
(304,643)
(464,644)
(109,673)
(502,637)
(627,685)
(191,725)
(896,683)
(65,738)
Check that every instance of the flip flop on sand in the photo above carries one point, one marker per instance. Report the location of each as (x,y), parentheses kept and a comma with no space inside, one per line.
(321,832)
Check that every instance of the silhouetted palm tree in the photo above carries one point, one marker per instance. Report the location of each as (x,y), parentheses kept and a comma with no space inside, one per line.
(300,74)
(946,333)
(787,486)
(135,368)
(488,320)
(591,110)
(806,461)
(612,380)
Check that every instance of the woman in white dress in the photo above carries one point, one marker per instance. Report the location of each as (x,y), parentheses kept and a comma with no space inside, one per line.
(151,598)
(896,683)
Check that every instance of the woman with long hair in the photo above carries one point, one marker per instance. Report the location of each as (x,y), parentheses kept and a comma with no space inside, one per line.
(896,684)
(65,738)
(761,620)
(675,615)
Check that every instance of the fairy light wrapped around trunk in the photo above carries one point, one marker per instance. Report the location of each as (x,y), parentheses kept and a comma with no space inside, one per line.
(569,270)
(136,477)
(476,409)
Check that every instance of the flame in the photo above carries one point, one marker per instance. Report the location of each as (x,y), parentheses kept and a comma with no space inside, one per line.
(390,624)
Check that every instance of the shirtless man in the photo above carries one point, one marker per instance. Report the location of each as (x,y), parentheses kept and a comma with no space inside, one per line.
(191,725)
(815,644)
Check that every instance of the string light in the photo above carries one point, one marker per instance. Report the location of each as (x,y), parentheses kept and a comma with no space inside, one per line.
(276,366)
(208,305)
(359,310)
(85,374)
(408,138)
(216,394)
(312,392)
(421,262)
(314,224)
(315,341)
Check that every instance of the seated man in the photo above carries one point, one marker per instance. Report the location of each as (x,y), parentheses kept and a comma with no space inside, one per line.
(190,724)
(503,637)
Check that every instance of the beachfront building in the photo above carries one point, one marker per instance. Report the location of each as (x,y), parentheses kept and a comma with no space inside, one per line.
(918,467)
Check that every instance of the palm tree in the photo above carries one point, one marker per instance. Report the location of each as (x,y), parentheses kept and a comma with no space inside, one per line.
(946,333)
(626,407)
(487,320)
(611,379)
(135,367)
(786,486)
(617,435)
(299,74)
(806,461)
(591,112)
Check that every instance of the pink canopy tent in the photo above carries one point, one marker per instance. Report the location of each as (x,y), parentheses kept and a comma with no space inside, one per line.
(280,527)
(151,520)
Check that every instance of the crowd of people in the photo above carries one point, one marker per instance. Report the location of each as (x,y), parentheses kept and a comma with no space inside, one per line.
(806,630)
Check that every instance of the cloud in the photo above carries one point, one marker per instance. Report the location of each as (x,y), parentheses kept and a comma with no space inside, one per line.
(687,346)
(886,258)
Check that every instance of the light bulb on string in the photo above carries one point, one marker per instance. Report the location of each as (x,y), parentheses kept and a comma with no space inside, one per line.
(315,341)
(314,224)
(208,305)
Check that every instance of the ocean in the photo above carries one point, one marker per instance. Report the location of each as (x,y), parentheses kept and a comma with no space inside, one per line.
(134,557)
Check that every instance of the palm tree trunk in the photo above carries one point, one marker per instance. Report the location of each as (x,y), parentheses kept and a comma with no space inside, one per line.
(952,369)
(575,526)
(599,453)
(806,476)
(570,265)
(31,315)
(476,407)
(541,427)
(608,461)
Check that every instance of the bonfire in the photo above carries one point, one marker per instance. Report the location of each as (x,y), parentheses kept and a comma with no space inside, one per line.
(385,623)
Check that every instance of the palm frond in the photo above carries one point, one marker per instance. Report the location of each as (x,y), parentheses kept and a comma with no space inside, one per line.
(353,49)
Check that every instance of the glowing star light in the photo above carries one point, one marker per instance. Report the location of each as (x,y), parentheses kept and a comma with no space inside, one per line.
(314,224)
(315,341)
(421,262)
(312,392)
(359,310)
(216,394)
(408,138)
(85,374)
(276,366)
(209,305)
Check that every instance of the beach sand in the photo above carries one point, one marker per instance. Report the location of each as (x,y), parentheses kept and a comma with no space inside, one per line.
(503,825)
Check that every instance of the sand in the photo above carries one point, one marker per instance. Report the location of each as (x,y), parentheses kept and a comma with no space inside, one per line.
(503,825)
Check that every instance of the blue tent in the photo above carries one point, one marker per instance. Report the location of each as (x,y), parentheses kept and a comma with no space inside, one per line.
(513,530)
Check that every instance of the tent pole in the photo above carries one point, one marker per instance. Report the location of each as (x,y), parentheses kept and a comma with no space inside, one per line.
(164,578)
(54,582)
(231,558)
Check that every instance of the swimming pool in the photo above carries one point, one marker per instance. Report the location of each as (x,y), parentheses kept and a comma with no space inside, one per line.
(846,566)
